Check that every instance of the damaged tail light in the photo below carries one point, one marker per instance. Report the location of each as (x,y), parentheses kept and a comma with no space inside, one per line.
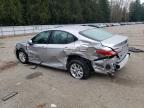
(103,52)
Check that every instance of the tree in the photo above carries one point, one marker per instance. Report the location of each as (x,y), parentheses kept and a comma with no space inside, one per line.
(104,10)
(125,15)
(142,12)
(135,11)
(76,11)
(10,12)
(120,10)
(27,12)
(37,11)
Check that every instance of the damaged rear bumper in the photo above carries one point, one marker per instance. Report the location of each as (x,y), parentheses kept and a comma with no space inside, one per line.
(111,65)
(123,62)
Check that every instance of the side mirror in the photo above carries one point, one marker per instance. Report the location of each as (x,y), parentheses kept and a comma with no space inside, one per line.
(30,42)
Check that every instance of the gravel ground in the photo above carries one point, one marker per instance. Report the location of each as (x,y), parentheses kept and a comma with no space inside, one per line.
(46,87)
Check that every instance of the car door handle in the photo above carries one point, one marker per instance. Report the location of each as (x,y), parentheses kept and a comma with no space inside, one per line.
(66,48)
(44,47)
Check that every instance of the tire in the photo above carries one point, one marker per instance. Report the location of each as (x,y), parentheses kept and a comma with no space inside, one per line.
(81,72)
(22,56)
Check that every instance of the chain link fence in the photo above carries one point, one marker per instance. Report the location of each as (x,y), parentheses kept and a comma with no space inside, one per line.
(23,30)
(32,29)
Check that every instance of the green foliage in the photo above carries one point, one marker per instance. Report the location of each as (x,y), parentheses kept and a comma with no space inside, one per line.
(28,12)
(104,10)
(142,12)
(37,11)
(10,12)
(136,11)
(24,12)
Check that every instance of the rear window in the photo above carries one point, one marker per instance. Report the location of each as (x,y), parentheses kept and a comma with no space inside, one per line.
(96,34)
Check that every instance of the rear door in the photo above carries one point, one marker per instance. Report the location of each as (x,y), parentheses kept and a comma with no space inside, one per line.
(38,50)
(60,44)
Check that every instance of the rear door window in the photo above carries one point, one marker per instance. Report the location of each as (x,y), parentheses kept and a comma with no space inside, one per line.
(61,37)
(58,37)
(71,38)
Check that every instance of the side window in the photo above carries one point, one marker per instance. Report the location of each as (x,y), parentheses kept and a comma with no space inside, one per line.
(71,38)
(41,38)
(58,37)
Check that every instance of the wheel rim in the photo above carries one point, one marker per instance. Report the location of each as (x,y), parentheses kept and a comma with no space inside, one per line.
(76,70)
(22,57)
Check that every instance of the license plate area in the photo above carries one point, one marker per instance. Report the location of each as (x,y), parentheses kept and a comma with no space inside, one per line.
(122,51)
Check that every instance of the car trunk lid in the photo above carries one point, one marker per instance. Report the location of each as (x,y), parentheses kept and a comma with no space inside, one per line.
(117,43)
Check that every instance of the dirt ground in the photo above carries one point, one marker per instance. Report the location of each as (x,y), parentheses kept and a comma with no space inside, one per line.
(46,87)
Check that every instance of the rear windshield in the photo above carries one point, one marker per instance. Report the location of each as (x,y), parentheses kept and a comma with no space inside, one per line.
(96,34)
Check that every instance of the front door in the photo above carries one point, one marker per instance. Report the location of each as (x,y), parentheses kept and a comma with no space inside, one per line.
(37,52)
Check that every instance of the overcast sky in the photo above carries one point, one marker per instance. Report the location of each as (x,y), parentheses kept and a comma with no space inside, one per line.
(142,1)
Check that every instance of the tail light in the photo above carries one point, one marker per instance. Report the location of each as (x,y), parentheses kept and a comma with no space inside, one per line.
(103,52)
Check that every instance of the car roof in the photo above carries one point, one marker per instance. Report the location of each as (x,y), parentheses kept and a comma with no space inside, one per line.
(74,29)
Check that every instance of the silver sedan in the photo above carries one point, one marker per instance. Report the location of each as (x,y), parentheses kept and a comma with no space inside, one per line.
(79,49)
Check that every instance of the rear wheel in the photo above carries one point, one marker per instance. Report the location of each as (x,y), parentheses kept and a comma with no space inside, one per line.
(78,69)
(22,56)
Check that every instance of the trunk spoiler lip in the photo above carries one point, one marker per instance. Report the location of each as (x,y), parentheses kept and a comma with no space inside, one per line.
(110,42)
